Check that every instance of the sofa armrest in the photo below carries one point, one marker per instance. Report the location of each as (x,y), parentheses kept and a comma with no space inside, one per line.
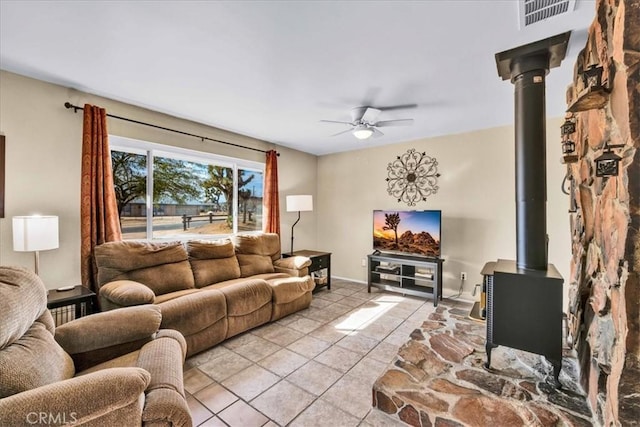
(107,397)
(99,337)
(165,402)
(125,293)
(294,266)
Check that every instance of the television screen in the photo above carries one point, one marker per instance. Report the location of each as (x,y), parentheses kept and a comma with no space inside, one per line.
(408,232)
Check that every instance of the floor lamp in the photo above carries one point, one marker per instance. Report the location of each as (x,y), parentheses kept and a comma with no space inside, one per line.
(34,234)
(300,203)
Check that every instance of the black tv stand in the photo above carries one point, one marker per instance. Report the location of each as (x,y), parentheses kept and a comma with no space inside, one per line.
(406,274)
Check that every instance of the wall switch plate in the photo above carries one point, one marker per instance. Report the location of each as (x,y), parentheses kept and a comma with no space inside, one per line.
(463,276)
(363,262)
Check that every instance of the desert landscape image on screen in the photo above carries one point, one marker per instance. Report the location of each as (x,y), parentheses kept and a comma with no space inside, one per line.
(411,232)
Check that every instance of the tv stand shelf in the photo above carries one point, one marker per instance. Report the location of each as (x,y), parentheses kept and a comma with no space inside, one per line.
(410,275)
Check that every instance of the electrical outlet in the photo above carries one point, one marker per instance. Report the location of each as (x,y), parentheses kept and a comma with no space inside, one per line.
(463,276)
(363,262)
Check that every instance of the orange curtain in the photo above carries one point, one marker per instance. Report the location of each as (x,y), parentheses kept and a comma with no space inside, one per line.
(271,198)
(99,222)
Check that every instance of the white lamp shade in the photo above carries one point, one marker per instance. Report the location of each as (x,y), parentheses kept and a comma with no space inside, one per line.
(299,203)
(35,233)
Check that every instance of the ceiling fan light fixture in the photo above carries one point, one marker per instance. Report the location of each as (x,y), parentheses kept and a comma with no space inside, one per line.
(362,132)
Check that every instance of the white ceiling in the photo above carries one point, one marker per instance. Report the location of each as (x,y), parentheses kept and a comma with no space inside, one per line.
(273,69)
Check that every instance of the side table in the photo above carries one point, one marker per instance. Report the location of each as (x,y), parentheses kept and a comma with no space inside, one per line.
(72,304)
(319,261)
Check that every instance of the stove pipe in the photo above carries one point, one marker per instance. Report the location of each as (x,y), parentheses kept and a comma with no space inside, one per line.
(527,66)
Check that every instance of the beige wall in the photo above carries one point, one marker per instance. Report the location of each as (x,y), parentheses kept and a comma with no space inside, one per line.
(302,179)
(476,192)
(476,196)
(43,150)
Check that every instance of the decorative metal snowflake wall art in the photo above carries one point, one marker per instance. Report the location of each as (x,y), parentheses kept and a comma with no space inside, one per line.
(412,177)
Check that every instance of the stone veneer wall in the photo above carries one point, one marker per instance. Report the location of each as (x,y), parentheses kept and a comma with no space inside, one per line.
(604,292)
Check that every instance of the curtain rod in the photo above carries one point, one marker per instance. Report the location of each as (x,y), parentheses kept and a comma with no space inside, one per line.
(69,105)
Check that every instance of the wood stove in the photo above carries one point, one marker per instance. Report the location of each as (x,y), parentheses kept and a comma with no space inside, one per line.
(524,297)
(524,311)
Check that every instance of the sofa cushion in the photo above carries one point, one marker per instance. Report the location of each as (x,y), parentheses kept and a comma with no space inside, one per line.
(271,276)
(29,356)
(24,300)
(249,304)
(172,295)
(195,312)
(293,263)
(109,329)
(250,265)
(245,297)
(210,249)
(267,244)
(291,288)
(267,276)
(126,293)
(26,334)
(212,261)
(163,267)
(34,360)
(125,361)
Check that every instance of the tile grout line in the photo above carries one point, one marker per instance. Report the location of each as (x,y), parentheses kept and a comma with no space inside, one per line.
(332,344)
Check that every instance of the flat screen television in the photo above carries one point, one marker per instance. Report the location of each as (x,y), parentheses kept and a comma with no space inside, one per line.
(407,232)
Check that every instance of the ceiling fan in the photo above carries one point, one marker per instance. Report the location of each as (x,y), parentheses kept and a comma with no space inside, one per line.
(365,123)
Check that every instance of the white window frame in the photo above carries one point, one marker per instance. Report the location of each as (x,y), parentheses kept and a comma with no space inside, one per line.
(152,149)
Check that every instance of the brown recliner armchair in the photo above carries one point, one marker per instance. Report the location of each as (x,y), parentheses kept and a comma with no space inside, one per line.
(113,368)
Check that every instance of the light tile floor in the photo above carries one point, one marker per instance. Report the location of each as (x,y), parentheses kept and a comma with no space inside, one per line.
(312,368)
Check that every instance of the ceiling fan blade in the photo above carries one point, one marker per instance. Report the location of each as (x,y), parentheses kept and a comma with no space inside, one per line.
(340,133)
(370,115)
(398,107)
(357,113)
(399,122)
(336,121)
(376,132)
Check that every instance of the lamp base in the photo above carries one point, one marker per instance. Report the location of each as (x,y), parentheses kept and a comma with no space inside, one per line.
(294,224)
(37,267)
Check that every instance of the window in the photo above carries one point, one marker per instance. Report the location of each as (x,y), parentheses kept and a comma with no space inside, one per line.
(168,193)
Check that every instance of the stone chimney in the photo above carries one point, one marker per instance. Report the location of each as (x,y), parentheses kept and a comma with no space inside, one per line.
(604,284)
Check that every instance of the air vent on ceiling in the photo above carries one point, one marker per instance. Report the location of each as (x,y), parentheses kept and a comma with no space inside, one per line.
(532,11)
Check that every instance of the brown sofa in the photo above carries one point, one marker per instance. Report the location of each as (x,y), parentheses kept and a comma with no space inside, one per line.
(112,368)
(207,290)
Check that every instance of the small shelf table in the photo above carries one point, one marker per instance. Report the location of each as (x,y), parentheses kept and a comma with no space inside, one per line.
(319,261)
(79,299)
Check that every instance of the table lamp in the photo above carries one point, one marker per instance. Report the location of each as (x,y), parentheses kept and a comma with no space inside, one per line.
(300,203)
(34,234)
